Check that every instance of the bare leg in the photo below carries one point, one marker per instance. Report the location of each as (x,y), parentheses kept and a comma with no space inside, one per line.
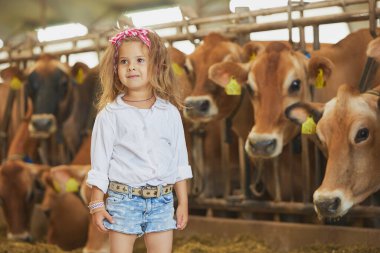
(121,243)
(159,242)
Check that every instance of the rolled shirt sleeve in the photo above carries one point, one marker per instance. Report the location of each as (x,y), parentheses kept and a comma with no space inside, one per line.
(102,142)
(181,156)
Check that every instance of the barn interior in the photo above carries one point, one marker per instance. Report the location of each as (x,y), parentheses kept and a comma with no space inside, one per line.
(228,211)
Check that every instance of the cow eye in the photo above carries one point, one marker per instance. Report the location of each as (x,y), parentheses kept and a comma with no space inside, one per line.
(295,86)
(362,135)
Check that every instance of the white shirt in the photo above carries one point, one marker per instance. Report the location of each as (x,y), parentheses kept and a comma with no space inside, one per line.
(138,146)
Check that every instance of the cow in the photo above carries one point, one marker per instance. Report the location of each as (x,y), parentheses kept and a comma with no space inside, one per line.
(83,108)
(13,79)
(204,107)
(49,85)
(348,129)
(68,217)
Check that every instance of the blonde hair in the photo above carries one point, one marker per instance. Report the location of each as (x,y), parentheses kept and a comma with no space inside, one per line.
(160,73)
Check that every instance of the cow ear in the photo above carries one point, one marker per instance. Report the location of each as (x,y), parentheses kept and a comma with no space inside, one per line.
(221,73)
(319,66)
(251,50)
(373,49)
(299,112)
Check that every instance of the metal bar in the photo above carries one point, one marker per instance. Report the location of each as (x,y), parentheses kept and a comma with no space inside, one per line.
(262,12)
(232,30)
(274,207)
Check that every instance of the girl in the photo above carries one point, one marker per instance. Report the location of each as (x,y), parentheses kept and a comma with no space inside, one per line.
(138,150)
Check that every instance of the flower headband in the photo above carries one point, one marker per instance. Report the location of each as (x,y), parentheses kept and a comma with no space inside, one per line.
(141,33)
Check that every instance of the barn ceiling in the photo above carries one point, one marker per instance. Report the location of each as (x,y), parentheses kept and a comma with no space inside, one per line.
(19,16)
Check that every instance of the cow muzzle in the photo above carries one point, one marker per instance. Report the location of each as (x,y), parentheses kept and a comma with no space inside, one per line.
(332,204)
(200,108)
(263,145)
(42,125)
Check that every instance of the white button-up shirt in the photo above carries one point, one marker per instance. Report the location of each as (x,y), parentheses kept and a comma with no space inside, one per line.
(138,146)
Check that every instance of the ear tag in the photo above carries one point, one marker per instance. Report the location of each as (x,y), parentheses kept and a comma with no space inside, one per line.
(15,83)
(178,70)
(319,81)
(233,88)
(309,126)
(79,78)
(56,186)
(253,57)
(72,185)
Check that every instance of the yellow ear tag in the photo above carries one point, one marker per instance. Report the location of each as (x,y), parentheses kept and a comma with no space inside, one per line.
(319,81)
(253,57)
(309,126)
(178,70)
(80,76)
(56,186)
(233,88)
(72,185)
(15,83)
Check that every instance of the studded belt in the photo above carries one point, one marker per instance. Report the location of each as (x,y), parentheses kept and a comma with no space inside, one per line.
(144,191)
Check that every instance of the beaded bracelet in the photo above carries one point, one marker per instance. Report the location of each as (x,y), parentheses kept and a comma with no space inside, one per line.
(95,206)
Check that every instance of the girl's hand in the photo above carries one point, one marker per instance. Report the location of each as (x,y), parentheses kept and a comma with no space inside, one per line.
(182,215)
(98,217)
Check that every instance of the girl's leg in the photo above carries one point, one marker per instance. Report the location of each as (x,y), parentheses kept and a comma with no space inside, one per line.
(121,243)
(159,242)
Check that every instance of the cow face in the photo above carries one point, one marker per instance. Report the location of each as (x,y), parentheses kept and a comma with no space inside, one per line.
(19,187)
(206,102)
(49,87)
(349,131)
(274,80)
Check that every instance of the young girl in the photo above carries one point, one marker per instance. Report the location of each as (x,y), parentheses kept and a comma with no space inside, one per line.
(138,150)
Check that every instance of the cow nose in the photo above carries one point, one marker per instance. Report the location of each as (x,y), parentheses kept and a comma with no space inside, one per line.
(42,124)
(327,206)
(263,147)
(197,106)
(204,105)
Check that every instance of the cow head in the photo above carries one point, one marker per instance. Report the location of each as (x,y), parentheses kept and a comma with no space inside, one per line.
(275,79)
(205,103)
(49,87)
(20,189)
(349,130)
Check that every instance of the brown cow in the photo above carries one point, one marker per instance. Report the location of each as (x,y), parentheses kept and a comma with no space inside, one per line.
(348,128)
(342,63)
(13,80)
(205,107)
(68,218)
(50,88)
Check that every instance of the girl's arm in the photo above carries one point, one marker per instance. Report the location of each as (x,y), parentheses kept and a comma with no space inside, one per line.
(99,214)
(182,212)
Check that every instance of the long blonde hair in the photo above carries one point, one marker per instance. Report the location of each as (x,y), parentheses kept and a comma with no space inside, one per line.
(161,75)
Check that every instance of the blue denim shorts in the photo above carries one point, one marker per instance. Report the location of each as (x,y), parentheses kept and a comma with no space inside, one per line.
(136,215)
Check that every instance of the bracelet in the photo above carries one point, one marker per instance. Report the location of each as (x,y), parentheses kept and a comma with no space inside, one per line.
(95,205)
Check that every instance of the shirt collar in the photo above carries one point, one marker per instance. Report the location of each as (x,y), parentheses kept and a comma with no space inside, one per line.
(118,103)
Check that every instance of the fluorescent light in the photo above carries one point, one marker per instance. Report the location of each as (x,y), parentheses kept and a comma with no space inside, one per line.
(185,46)
(157,16)
(61,32)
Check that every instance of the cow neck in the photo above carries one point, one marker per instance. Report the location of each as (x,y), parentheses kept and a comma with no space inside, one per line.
(230,118)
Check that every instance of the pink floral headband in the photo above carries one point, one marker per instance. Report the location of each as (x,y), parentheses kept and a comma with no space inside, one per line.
(141,33)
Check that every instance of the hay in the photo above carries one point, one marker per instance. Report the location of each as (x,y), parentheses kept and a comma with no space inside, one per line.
(7,246)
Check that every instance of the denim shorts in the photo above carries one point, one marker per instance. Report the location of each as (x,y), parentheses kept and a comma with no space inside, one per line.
(136,215)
